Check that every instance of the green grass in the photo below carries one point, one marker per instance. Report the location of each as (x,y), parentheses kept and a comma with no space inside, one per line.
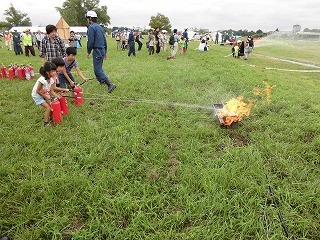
(123,169)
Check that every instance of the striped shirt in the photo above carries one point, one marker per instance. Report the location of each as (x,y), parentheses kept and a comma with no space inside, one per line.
(51,50)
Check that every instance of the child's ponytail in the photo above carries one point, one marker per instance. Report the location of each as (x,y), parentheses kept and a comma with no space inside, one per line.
(47,67)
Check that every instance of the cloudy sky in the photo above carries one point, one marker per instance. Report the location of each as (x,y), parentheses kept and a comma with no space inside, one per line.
(266,15)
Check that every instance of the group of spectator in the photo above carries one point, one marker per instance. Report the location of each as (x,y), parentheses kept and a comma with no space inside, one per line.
(13,39)
(122,38)
(156,41)
(27,41)
(243,48)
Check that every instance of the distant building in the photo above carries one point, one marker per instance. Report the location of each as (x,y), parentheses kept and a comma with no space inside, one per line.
(296,28)
(297,34)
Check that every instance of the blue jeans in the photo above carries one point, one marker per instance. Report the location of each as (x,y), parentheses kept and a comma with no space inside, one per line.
(98,56)
(63,81)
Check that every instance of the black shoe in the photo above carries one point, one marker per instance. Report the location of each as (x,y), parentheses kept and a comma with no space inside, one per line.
(111,87)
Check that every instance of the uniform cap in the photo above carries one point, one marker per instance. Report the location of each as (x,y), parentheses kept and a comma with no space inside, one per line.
(91,14)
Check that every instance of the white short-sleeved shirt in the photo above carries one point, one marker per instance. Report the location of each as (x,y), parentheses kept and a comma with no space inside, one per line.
(202,46)
(46,85)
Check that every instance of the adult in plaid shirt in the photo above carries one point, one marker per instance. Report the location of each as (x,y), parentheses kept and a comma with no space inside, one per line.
(51,46)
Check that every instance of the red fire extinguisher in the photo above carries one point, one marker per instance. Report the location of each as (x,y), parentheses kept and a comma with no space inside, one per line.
(23,72)
(20,72)
(4,71)
(56,111)
(11,72)
(15,68)
(77,93)
(27,72)
(64,104)
(31,71)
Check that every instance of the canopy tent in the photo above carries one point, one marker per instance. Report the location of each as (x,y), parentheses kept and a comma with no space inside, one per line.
(63,29)
(32,29)
(79,29)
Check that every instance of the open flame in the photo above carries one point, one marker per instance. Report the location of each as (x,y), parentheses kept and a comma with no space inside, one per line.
(233,111)
(264,93)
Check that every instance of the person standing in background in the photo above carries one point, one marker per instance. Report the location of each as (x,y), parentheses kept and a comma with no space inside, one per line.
(27,43)
(216,41)
(17,43)
(131,42)
(157,39)
(163,40)
(186,38)
(151,42)
(8,40)
(248,48)
(39,37)
(78,37)
(138,37)
(72,40)
(173,41)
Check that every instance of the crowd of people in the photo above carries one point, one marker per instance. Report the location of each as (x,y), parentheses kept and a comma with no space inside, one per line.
(242,48)
(58,58)
(25,42)
(156,41)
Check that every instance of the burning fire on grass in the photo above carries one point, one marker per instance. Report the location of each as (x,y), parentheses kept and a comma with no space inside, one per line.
(233,111)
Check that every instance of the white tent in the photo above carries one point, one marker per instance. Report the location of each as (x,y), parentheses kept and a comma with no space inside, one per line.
(79,29)
(33,29)
(191,34)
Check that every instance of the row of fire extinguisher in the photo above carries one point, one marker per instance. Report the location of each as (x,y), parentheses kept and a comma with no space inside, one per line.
(17,71)
(60,106)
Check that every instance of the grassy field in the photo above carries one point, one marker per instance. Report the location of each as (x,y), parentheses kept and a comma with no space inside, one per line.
(145,162)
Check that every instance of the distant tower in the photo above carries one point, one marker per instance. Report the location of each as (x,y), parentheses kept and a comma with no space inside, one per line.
(296,28)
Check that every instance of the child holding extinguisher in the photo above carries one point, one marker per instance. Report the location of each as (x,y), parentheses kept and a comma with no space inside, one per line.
(42,90)
(65,76)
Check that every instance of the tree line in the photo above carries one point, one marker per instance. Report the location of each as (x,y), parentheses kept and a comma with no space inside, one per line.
(73,11)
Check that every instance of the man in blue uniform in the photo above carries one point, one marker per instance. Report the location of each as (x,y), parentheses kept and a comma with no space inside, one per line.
(131,41)
(97,44)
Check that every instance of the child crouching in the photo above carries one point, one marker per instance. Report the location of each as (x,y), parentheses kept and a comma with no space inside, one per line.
(42,90)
